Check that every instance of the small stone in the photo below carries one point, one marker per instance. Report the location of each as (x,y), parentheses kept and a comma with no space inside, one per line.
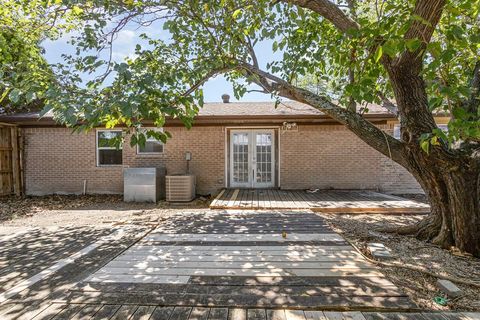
(379,251)
(449,288)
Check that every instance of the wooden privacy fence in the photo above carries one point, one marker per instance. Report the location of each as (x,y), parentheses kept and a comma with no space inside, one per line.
(10,160)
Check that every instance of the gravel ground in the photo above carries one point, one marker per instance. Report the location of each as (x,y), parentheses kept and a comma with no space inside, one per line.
(361,229)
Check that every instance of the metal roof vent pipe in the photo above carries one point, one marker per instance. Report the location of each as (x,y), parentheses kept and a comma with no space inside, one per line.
(226,98)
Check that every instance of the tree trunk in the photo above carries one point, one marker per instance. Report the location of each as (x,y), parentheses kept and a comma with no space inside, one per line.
(453,190)
(449,177)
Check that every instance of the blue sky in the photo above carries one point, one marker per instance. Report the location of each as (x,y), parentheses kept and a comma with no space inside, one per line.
(124,46)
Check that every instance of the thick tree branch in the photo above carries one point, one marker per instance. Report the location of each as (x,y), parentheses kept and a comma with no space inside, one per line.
(405,73)
(425,15)
(365,130)
(329,11)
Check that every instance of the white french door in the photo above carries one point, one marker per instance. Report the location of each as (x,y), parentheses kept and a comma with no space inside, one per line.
(252,158)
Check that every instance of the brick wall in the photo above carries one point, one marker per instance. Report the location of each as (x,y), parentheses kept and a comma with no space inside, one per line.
(58,161)
(394,178)
(328,156)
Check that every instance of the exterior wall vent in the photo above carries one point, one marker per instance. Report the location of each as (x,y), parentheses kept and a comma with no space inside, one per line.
(180,188)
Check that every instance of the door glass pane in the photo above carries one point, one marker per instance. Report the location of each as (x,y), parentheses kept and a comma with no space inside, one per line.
(264,157)
(240,157)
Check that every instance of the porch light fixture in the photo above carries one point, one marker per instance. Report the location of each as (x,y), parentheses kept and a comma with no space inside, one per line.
(289,126)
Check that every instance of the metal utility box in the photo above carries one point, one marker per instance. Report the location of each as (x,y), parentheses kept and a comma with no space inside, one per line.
(180,188)
(143,184)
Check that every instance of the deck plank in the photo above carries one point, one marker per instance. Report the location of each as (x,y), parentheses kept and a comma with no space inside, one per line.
(237,314)
(68,312)
(199,313)
(106,312)
(218,314)
(216,202)
(393,316)
(162,313)
(180,313)
(142,313)
(87,312)
(354,315)
(233,198)
(256,314)
(125,312)
(295,315)
(52,310)
(276,314)
(314,315)
(237,198)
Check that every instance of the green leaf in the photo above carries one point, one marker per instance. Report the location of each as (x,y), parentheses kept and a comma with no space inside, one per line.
(133,140)
(14,95)
(425,145)
(378,53)
(77,10)
(434,141)
(390,48)
(413,44)
(236,13)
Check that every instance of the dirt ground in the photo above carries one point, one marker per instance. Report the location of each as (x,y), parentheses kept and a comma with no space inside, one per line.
(97,210)
(362,229)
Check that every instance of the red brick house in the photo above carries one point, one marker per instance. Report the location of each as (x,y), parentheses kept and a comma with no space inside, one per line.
(249,145)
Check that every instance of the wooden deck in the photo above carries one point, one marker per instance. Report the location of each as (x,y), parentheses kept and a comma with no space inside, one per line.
(244,259)
(152,312)
(328,201)
(326,280)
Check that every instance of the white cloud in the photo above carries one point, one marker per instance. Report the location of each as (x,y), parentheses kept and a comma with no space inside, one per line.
(125,37)
(124,45)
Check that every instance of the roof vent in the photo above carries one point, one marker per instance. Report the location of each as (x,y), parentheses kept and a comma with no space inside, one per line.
(225,98)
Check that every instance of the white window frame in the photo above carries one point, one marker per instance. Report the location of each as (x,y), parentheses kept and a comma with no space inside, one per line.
(107,148)
(395,128)
(151,139)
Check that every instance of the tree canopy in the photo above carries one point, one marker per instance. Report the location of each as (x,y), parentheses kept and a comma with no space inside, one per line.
(25,75)
(329,42)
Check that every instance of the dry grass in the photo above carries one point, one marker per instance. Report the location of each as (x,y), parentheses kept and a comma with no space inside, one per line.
(361,229)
